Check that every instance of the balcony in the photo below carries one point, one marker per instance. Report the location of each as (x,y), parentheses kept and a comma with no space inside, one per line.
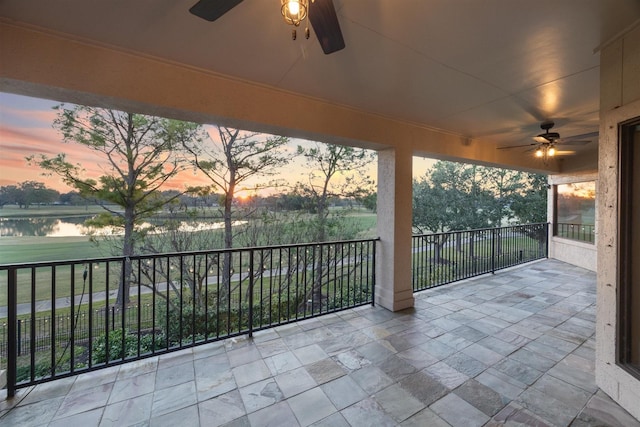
(514,348)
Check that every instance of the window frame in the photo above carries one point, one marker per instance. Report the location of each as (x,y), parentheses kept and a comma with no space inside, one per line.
(625,327)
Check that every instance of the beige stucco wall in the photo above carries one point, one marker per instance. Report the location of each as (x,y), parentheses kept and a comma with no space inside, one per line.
(620,100)
(56,66)
(573,252)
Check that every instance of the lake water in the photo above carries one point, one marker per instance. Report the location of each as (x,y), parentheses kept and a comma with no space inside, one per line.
(74,227)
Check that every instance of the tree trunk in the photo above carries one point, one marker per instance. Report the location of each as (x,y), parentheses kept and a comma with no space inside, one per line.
(227,271)
(437,249)
(316,296)
(123,297)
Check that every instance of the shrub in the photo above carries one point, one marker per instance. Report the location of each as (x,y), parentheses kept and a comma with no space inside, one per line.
(42,364)
(115,350)
(193,322)
(42,369)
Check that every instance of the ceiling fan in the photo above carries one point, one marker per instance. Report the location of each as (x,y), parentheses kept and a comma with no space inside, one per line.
(321,13)
(546,144)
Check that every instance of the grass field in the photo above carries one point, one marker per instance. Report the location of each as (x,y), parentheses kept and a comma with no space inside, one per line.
(34,249)
(25,249)
(49,211)
(30,249)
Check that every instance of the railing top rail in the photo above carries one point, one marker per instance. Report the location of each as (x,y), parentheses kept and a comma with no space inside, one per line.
(480,229)
(81,261)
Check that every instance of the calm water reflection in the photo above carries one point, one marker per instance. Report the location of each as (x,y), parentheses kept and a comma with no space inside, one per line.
(44,227)
(74,227)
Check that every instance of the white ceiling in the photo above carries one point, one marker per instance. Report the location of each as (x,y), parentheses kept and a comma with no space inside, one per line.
(488,69)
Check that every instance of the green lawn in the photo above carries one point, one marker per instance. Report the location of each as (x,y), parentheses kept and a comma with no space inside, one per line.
(16,250)
(49,211)
(34,249)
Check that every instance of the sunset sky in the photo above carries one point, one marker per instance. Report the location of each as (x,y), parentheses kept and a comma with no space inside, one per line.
(26,129)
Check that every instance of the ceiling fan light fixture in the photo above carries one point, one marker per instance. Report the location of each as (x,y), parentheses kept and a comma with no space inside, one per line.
(551,152)
(539,152)
(294,11)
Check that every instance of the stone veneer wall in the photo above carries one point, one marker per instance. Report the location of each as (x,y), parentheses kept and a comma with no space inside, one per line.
(619,101)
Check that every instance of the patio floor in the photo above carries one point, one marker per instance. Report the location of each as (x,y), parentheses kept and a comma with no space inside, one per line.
(514,348)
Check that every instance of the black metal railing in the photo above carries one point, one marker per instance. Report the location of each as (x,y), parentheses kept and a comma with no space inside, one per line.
(580,232)
(63,324)
(443,258)
(171,301)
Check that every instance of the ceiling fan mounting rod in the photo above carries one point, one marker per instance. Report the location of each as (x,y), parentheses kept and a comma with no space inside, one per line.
(547,125)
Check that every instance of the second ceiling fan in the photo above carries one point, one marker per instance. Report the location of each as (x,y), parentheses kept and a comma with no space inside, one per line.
(321,14)
(546,144)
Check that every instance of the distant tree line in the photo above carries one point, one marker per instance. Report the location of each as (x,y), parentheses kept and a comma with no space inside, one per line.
(33,193)
(28,193)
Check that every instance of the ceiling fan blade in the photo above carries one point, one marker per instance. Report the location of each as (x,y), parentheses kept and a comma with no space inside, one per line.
(573,142)
(213,9)
(589,135)
(517,146)
(324,21)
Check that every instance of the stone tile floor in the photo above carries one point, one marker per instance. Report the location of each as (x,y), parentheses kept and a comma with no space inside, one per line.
(515,348)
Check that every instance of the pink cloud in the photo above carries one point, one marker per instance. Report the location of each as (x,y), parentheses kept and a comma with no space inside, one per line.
(26,129)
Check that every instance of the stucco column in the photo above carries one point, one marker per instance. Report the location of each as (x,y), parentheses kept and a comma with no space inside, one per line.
(393,258)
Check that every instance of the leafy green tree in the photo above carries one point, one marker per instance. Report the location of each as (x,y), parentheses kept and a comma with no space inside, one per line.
(27,193)
(73,198)
(505,185)
(450,197)
(293,201)
(140,153)
(370,201)
(8,195)
(530,205)
(455,196)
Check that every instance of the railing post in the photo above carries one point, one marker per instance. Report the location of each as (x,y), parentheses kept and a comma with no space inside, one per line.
(373,275)
(493,251)
(19,338)
(251,293)
(12,358)
(546,234)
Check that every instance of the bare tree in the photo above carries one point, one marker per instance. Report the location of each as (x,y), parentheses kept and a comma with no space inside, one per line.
(229,163)
(326,163)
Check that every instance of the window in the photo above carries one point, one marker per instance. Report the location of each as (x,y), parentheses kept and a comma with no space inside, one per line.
(575,211)
(629,248)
